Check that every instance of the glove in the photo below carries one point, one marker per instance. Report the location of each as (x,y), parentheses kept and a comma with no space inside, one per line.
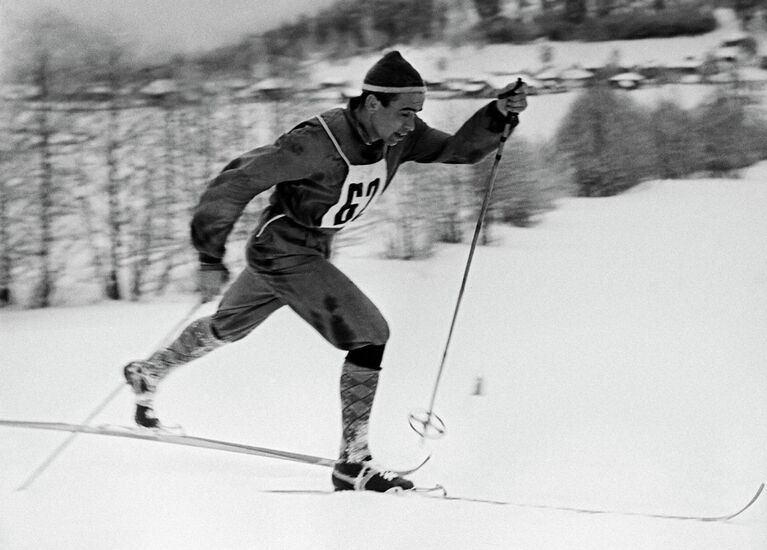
(212,277)
(513,99)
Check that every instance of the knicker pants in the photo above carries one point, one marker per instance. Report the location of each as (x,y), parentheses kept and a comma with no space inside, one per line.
(288,265)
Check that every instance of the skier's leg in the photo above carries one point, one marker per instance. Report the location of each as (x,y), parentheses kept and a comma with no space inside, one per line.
(194,341)
(355,469)
(244,306)
(293,261)
(357,387)
(328,300)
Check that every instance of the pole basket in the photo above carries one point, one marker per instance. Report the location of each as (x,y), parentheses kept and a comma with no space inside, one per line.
(427,424)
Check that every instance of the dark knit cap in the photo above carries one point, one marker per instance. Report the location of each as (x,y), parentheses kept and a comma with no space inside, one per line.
(393,75)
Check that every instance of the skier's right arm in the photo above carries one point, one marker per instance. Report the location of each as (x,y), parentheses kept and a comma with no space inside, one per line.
(226,196)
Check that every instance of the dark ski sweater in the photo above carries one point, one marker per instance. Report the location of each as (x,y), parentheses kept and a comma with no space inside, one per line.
(306,171)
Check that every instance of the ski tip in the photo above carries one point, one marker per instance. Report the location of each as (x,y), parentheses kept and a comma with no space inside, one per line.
(415,469)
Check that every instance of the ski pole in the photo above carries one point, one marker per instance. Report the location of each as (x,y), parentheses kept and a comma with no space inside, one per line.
(45,464)
(422,421)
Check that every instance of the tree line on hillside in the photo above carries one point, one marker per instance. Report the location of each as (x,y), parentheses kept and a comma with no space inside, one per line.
(350,27)
(610,143)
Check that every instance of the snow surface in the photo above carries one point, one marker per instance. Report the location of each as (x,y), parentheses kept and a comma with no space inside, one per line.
(621,350)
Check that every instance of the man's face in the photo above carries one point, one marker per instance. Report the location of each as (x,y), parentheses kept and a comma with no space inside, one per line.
(394,122)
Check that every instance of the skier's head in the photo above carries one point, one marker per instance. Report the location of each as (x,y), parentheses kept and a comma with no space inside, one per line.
(392,93)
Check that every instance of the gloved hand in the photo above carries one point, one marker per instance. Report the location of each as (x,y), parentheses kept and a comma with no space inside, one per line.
(212,277)
(513,98)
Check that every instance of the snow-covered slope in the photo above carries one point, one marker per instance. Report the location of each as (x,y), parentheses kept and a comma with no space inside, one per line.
(621,352)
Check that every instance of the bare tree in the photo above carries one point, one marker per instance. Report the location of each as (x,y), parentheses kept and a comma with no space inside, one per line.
(10,157)
(6,246)
(115,212)
(46,50)
(45,190)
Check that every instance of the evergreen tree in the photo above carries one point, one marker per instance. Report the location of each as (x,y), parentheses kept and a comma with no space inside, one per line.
(605,139)
(677,150)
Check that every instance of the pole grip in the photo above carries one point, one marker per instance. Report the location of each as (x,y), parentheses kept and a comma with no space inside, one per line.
(509,93)
(512,119)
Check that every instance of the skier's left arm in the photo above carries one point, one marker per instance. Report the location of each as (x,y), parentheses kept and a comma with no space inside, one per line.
(477,137)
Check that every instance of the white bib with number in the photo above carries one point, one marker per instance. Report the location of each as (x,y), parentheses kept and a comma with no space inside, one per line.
(364,183)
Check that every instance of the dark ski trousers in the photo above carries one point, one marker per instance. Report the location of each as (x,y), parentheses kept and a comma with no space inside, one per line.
(288,265)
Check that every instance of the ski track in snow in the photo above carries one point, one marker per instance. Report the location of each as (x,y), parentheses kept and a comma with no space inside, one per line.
(621,352)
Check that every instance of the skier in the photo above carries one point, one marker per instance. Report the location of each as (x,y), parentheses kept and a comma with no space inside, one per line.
(325,172)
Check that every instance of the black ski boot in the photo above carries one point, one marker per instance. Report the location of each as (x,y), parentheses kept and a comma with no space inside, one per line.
(366,476)
(146,418)
(138,378)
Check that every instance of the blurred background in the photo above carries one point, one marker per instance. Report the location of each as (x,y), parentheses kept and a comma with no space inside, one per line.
(114,115)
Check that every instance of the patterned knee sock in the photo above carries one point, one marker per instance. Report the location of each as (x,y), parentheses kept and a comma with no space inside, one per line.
(196,340)
(358,389)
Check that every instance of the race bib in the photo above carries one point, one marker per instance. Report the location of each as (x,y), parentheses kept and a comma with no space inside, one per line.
(363,185)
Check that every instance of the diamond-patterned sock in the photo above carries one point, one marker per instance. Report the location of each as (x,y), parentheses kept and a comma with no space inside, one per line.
(358,389)
(196,340)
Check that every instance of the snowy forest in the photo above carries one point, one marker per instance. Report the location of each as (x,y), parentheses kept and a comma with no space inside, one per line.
(96,195)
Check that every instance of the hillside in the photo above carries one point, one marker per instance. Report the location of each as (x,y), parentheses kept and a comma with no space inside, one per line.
(435,61)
